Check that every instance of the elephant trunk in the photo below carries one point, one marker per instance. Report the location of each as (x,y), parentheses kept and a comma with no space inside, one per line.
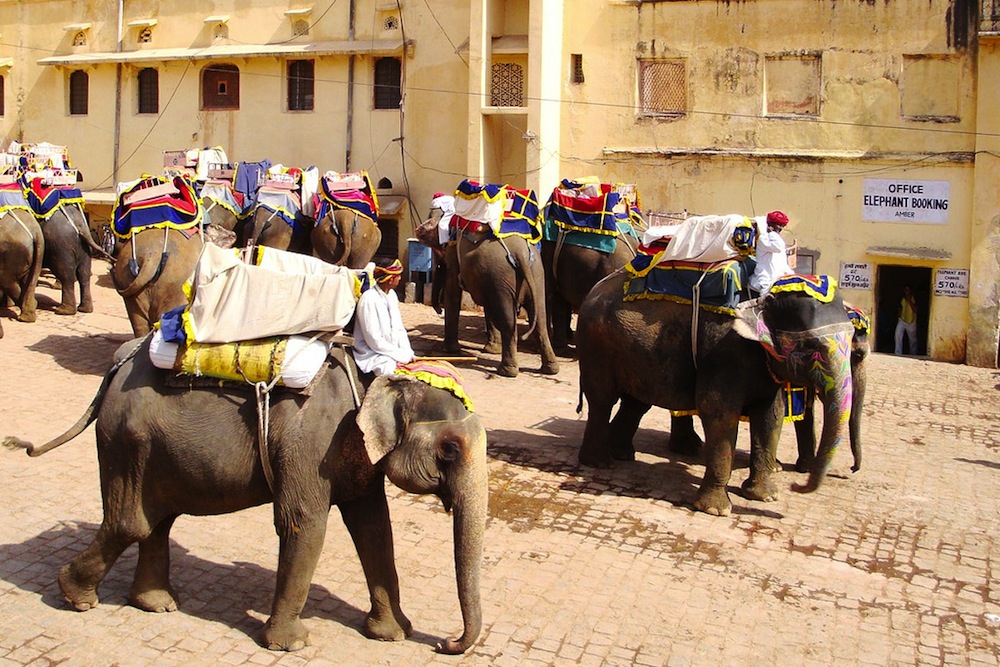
(470,507)
(832,377)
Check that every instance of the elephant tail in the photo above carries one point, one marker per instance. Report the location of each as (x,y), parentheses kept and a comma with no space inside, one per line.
(89,415)
(83,230)
(148,271)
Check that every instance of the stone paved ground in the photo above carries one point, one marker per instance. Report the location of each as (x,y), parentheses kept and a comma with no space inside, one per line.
(893,566)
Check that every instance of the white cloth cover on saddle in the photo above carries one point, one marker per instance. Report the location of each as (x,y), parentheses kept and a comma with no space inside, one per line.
(287,293)
(700,238)
(481,210)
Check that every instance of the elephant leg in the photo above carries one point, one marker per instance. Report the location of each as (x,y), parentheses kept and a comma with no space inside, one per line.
(560,319)
(595,450)
(367,520)
(151,589)
(79,579)
(721,428)
(765,429)
(683,438)
(494,341)
(298,553)
(67,284)
(83,277)
(805,435)
(624,426)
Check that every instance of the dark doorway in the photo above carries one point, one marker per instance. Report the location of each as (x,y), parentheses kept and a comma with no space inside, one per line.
(889,283)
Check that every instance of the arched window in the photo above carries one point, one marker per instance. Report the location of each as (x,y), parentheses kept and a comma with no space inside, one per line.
(220,86)
(79,93)
(149,90)
(388,77)
(301,84)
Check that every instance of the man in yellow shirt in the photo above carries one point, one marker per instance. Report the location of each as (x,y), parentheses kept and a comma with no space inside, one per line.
(907,323)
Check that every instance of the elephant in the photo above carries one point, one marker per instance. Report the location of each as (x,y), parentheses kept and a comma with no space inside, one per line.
(345,238)
(69,247)
(160,457)
(222,226)
(266,226)
(570,272)
(726,376)
(502,276)
(150,271)
(22,248)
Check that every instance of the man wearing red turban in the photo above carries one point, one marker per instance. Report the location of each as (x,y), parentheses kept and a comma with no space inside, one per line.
(380,339)
(772,258)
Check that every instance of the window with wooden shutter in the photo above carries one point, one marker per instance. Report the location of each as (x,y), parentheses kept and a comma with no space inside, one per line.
(220,87)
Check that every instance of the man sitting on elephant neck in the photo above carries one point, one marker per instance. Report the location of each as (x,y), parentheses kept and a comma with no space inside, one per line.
(772,259)
(380,339)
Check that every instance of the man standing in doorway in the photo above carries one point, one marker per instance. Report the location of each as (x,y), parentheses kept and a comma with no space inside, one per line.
(907,322)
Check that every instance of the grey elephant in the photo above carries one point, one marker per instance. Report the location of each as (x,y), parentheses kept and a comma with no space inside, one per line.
(22,247)
(277,226)
(722,374)
(150,271)
(160,456)
(69,248)
(345,238)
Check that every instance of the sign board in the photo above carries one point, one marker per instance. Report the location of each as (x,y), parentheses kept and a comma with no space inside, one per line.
(951,282)
(855,275)
(890,200)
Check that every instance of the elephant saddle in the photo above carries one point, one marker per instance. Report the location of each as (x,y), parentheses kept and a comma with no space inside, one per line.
(157,202)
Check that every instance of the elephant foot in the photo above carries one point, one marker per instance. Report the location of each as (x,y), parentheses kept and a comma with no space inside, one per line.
(595,460)
(713,501)
(493,348)
(86,308)
(760,489)
(290,635)
(388,628)
(157,600)
(27,317)
(452,347)
(63,309)
(508,370)
(803,464)
(82,598)
(687,444)
(623,453)
(549,368)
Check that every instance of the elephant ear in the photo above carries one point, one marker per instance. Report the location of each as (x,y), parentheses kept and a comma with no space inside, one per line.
(381,416)
(749,321)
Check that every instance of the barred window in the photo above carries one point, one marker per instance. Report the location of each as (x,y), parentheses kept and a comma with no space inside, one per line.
(220,87)
(79,93)
(301,85)
(507,85)
(149,90)
(388,83)
(662,87)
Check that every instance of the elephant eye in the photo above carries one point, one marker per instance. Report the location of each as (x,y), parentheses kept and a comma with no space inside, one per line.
(449,450)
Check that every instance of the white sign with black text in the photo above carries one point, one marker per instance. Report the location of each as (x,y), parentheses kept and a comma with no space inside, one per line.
(889,200)
(951,282)
(855,275)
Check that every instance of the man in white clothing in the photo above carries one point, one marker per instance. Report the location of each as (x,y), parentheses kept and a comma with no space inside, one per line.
(380,339)
(446,204)
(772,258)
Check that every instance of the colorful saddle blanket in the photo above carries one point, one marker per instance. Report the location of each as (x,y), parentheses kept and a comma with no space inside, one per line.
(46,200)
(12,198)
(349,191)
(600,242)
(718,285)
(503,209)
(862,323)
(440,374)
(283,204)
(222,193)
(173,204)
(821,288)
(595,208)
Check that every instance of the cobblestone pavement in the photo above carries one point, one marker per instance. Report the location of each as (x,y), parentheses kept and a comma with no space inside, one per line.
(892,566)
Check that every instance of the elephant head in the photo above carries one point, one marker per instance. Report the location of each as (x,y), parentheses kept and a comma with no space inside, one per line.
(444,453)
(808,339)
(345,238)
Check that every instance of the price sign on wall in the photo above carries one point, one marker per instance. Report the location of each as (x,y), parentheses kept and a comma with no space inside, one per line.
(951,282)
(855,275)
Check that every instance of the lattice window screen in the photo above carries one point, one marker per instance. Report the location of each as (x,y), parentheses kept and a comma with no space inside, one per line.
(507,85)
(662,87)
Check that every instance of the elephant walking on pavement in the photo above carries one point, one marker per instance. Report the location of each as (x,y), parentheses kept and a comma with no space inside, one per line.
(22,248)
(641,353)
(161,456)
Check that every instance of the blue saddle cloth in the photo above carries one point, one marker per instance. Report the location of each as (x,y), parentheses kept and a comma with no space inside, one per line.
(720,285)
